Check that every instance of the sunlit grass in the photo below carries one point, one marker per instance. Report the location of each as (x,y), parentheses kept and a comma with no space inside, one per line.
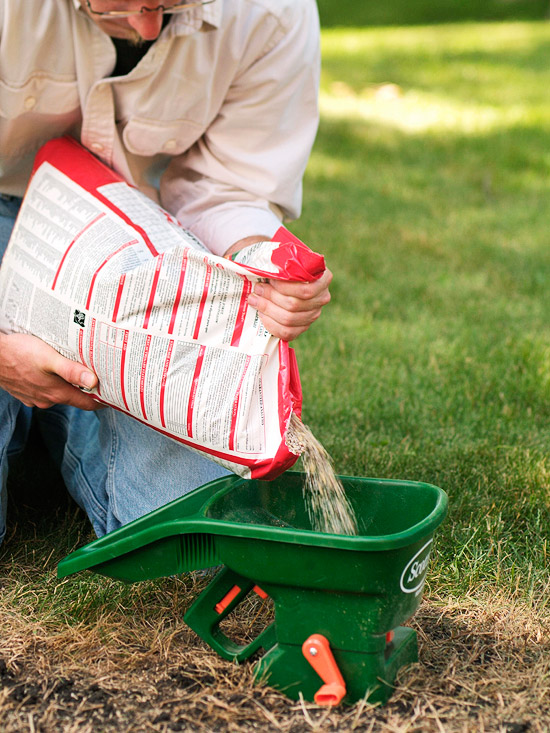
(423,79)
(414,111)
(428,192)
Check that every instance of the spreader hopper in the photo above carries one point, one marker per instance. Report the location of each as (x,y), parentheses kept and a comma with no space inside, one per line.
(339,601)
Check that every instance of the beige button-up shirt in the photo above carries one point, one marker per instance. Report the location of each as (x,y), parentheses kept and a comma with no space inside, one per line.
(216,121)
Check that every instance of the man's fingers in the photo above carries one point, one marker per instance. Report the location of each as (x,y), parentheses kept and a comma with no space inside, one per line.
(70,376)
(75,398)
(303,290)
(71,372)
(34,373)
(285,316)
(287,309)
(82,400)
(286,322)
(292,296)
(55,392)
(285,333)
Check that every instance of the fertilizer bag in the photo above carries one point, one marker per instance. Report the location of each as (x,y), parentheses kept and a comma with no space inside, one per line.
(108,278)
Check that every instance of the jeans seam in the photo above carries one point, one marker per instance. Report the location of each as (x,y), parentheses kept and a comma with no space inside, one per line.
(83,483)
(110,483)
(75,464)
(11,415)
(5,452)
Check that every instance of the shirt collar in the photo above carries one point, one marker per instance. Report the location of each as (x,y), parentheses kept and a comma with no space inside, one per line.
(209,14)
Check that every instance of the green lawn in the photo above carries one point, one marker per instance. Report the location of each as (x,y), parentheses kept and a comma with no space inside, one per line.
(428,191)
(352,13)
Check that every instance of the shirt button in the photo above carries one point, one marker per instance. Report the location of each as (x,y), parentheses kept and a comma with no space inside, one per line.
(30,102)
(98,147)
(170,144)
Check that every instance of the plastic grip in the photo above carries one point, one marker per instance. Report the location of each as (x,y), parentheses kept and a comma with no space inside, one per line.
(216,602)
(316,650)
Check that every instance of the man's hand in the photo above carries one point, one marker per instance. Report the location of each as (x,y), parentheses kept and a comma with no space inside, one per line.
(286,308)
(34,373)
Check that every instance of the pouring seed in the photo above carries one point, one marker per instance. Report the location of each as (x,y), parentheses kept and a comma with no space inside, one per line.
(324,495)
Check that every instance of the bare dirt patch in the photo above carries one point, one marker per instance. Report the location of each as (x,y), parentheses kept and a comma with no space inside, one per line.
(90,654)
(484,667)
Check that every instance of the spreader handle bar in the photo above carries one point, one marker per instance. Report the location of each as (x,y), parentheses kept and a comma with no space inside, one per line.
(214,604)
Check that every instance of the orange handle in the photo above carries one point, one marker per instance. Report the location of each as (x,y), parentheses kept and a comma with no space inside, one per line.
(316,650)
(226,600)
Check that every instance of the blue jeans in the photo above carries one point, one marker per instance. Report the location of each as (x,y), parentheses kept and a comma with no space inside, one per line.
(114,467)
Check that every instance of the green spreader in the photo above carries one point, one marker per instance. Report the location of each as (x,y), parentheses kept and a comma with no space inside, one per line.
(339,601)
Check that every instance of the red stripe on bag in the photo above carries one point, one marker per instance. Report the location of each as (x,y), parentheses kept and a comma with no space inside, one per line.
(194,387)
(153,291)
(79,165)
(178,293)
(235,409)
(163,380)
(142,376)
(121,282)
(80,346)
(241,314)
(207,279)
(122,365)
(91,223)
(91,351)
(110,257)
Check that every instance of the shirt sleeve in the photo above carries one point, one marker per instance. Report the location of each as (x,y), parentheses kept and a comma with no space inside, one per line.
(244,176)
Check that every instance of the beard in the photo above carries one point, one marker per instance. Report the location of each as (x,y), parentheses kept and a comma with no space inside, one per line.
(135,39)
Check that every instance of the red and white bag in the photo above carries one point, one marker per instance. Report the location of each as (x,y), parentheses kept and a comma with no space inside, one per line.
(109,278)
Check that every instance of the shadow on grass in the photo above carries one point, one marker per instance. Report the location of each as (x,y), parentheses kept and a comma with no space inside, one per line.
(418,196)
(401,12)
(43,520)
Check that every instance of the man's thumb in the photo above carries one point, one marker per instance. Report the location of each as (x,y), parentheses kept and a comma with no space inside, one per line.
(75,373)
(88,379)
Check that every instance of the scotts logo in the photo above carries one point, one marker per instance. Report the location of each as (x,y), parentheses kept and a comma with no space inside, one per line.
(414,574)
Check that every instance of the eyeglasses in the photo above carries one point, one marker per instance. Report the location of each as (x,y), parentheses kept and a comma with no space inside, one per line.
(123,12)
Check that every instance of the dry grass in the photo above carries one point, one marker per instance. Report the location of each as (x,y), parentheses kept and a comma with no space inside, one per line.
(91,654)
(133,665)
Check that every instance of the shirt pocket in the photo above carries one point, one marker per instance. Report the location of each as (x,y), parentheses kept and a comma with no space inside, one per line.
(152,137)
(40,94)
